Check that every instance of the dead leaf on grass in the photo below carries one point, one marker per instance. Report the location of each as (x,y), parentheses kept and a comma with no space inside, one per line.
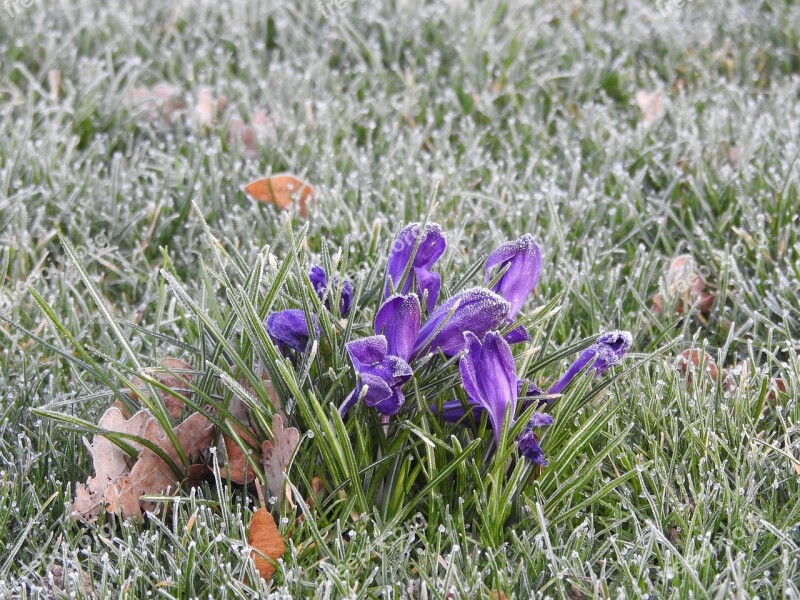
(117,486)
(178,380)
(278,454)
(281,190)
(151,475)
(110,461)
(266,541)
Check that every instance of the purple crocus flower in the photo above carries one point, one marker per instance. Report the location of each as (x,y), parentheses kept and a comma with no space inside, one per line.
(289,329)
(528,445)
(476,310)
(522,260)
(489,376)
(429,249)
(490,379)
(381,373)
(604,353)
(399,320)
(319,281)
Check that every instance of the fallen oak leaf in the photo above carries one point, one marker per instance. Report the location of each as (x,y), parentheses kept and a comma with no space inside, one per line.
(110,461)
(265,540)
(151,474)
(281,190)
(174,374)
(278,454)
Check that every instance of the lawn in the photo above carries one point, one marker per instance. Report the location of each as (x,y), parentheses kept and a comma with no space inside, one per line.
(651,151)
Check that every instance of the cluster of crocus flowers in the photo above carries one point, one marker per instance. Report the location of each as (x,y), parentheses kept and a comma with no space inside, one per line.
(478,323)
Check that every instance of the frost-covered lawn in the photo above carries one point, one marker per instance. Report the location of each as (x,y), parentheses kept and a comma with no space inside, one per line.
(618,135)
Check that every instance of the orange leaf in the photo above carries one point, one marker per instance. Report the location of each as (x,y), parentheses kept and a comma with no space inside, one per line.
(266,541)
(281,190)
(238,469)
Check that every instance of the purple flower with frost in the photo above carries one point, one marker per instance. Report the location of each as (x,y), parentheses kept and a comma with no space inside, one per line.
(289,329)
(607,351)
(319,281)
(489,376)
(379,376)
(430,244)
(522,261)
(476,310)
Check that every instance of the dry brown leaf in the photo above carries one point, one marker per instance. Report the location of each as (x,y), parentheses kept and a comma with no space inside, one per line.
(238,468)
(248,134)
(775,387)
(150,474)
(266,541)
(685,286)
(162,103)
(59,584)
(110,462)
(179,382)
(690,361)
(651,104)
(281,190)
(278,454)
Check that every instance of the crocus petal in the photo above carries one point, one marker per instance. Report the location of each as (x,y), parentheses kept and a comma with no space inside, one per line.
(428,285)
(476,310)
(319,280)
(517,335)
(605,352)
(527,443)
(529,447)
(454,410)
(399,370)
(351,400)
(398,319)
(367,351)
(612,346)
(467,367)
(540,420)
(382,374)
(288,328)
(391,406)
(533,390)
(377,388)
(523,259)
(430,248)
(347,298)
(496,376)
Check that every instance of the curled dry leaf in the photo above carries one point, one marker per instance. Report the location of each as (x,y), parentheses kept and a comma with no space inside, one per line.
(266,541)
(685,286)
(179,382)
(775,387)
(150,474)
(248,134)
(73,582)
(281,190)
(690,361)
(110,461)
(238,468)
(120,490)
(278,454)
(163,103)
